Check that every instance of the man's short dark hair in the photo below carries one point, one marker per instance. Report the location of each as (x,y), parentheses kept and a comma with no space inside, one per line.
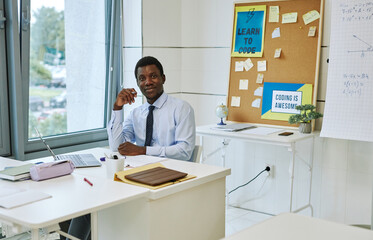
(148,60)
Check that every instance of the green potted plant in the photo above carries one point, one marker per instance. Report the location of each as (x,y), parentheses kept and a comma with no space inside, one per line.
(307,113)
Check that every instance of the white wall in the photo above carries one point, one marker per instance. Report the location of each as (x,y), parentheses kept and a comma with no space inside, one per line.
(192,39)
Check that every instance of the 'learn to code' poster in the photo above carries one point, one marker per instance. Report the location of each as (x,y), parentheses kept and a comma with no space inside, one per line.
(248,38)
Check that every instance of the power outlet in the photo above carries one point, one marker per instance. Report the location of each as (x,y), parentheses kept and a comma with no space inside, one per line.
(271,172)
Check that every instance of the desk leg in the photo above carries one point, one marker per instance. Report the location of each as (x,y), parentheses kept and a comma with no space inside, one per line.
(94,233)
(225,143)
(291,171)
(311,173)
(35,234)
(203,150)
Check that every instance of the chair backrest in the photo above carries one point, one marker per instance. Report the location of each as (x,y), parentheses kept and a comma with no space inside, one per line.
(196,156)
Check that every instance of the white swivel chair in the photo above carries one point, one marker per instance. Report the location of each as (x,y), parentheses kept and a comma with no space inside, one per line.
(196,155)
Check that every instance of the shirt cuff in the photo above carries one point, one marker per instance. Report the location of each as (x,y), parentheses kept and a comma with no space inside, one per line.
(117,116)
(154,151)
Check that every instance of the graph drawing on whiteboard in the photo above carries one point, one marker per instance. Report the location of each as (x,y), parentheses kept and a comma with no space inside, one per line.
(363,51)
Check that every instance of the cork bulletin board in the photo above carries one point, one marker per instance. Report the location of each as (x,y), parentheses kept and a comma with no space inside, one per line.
(297,33)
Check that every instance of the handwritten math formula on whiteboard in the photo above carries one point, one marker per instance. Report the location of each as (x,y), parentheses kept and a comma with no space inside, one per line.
(348,110)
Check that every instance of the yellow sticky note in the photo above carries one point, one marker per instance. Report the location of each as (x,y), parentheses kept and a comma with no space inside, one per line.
(239,66)
(310,16)
(244,84)
(289,17)
(259,78)
(262,66)
(235,101)
(274,12)
(312,31)
(277,52)
(248,64)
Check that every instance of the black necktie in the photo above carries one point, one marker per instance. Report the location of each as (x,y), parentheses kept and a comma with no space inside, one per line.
(149,126)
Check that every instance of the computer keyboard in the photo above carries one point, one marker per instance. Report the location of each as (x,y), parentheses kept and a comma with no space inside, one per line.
(75,159)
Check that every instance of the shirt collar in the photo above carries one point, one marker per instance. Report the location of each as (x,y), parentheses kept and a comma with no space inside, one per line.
(159,102)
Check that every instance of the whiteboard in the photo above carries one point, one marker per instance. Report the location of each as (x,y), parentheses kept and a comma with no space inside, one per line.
(348,110)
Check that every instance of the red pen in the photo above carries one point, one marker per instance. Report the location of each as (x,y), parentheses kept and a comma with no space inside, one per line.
(85,179)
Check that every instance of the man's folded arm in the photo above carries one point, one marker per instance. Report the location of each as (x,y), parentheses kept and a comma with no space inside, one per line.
(118,132)
(185,138)
(114,130)
(181,151)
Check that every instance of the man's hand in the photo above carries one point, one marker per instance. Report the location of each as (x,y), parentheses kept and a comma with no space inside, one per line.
(130,149)
(126,96)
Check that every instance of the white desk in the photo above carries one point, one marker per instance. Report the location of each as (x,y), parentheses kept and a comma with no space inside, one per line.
(71,197)
(289,226)
(288,142)
(194,209)
(124,211)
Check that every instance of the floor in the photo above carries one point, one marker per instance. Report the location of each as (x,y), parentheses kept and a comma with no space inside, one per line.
(238,219)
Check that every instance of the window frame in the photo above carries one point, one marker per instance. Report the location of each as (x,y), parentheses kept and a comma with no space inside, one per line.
(4,110)
(24,148)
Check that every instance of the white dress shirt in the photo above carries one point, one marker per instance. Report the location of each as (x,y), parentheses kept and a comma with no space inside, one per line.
(174,129)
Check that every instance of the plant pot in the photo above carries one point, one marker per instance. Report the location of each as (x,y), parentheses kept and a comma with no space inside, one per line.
(305,128)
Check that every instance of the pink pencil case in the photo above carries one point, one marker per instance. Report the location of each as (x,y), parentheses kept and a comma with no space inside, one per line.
(51,170)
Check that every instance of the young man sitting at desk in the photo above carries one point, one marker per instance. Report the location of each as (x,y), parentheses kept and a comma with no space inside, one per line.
(163,126)
(173,133)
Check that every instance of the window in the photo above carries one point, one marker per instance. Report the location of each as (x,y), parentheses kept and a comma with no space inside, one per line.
(4,118)
(67,66)
(59,54)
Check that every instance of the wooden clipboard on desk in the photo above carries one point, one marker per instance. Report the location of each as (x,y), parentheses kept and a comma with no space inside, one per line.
(121,176)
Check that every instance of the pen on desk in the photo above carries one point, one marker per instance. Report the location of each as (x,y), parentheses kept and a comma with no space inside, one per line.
(103,158)
(85,179)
